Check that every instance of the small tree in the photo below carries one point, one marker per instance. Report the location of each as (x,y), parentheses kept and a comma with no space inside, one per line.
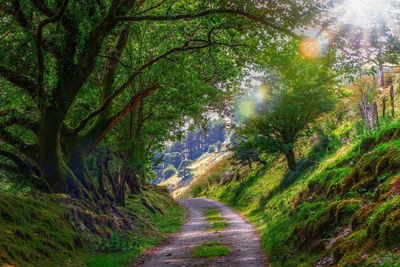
(303,94)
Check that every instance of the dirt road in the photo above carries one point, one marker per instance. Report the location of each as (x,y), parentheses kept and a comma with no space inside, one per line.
(240,236)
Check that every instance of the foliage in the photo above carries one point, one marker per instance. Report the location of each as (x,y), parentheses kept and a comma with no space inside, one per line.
(304,92)
(100,74)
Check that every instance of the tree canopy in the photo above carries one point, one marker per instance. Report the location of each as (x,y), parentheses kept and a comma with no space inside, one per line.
(72,72)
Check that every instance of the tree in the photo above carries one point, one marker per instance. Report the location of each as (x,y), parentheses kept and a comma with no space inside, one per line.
(304,92)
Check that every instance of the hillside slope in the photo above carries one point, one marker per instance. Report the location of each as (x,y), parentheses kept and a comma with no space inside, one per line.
(340,208)
(180,187)
(56,230)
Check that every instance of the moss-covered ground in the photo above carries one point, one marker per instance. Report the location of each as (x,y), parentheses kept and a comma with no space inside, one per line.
(341,205)
(38,232)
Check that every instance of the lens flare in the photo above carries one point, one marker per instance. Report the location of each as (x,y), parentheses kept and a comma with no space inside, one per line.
(310,48)
(325,39)
(247,108)
(261,93)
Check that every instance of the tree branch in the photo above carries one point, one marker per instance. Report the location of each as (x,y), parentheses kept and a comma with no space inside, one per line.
(43,8)
(39,37)
(19,15)
(92,45)
(205,13)
(134,103)
(25,149)
(130,79)
(22,165)
(19,79)
(23,22)
(8,168)
(22,121)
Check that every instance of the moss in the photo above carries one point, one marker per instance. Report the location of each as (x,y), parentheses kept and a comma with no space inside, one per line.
(362,215)
(349,250)
(42,231)
(384,135)
(35,232)
(337,214)
(389,232)
(366,174)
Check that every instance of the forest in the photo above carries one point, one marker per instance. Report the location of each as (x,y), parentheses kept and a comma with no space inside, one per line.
(199,133)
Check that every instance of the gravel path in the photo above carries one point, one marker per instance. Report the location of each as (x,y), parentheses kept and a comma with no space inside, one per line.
(240,236)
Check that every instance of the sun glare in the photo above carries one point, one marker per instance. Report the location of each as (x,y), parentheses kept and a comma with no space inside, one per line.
(358,12)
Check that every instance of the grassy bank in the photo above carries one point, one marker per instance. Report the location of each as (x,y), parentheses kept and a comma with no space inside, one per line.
(341,206)
(40,232)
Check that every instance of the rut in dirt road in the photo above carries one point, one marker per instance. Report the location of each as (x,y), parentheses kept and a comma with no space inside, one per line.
(239,236)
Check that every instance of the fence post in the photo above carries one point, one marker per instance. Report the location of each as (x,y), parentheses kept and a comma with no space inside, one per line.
(392,99)
(384,100)
(376,122)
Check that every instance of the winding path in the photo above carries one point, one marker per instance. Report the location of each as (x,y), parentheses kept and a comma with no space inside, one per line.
(240,236)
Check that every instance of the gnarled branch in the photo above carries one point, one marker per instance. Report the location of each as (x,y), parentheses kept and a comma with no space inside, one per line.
(39,37)
(25,149)
(131,78)
(23,81)
(22,121)
(134,103)
(23,166)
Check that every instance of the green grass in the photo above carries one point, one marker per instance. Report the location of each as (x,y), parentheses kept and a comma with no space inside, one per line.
(215,219)
(35,232)
(211,250)
(38,232)
(219,226)
(152,228)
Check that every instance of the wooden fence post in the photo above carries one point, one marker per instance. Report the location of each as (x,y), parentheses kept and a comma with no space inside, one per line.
(369,112)
(384,100)
(376,122)
(392,99)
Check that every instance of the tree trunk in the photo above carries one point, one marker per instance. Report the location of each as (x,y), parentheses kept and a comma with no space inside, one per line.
(52,165)
(133,182)
(110,178)
(100,178)
(290,158)
(76,162)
